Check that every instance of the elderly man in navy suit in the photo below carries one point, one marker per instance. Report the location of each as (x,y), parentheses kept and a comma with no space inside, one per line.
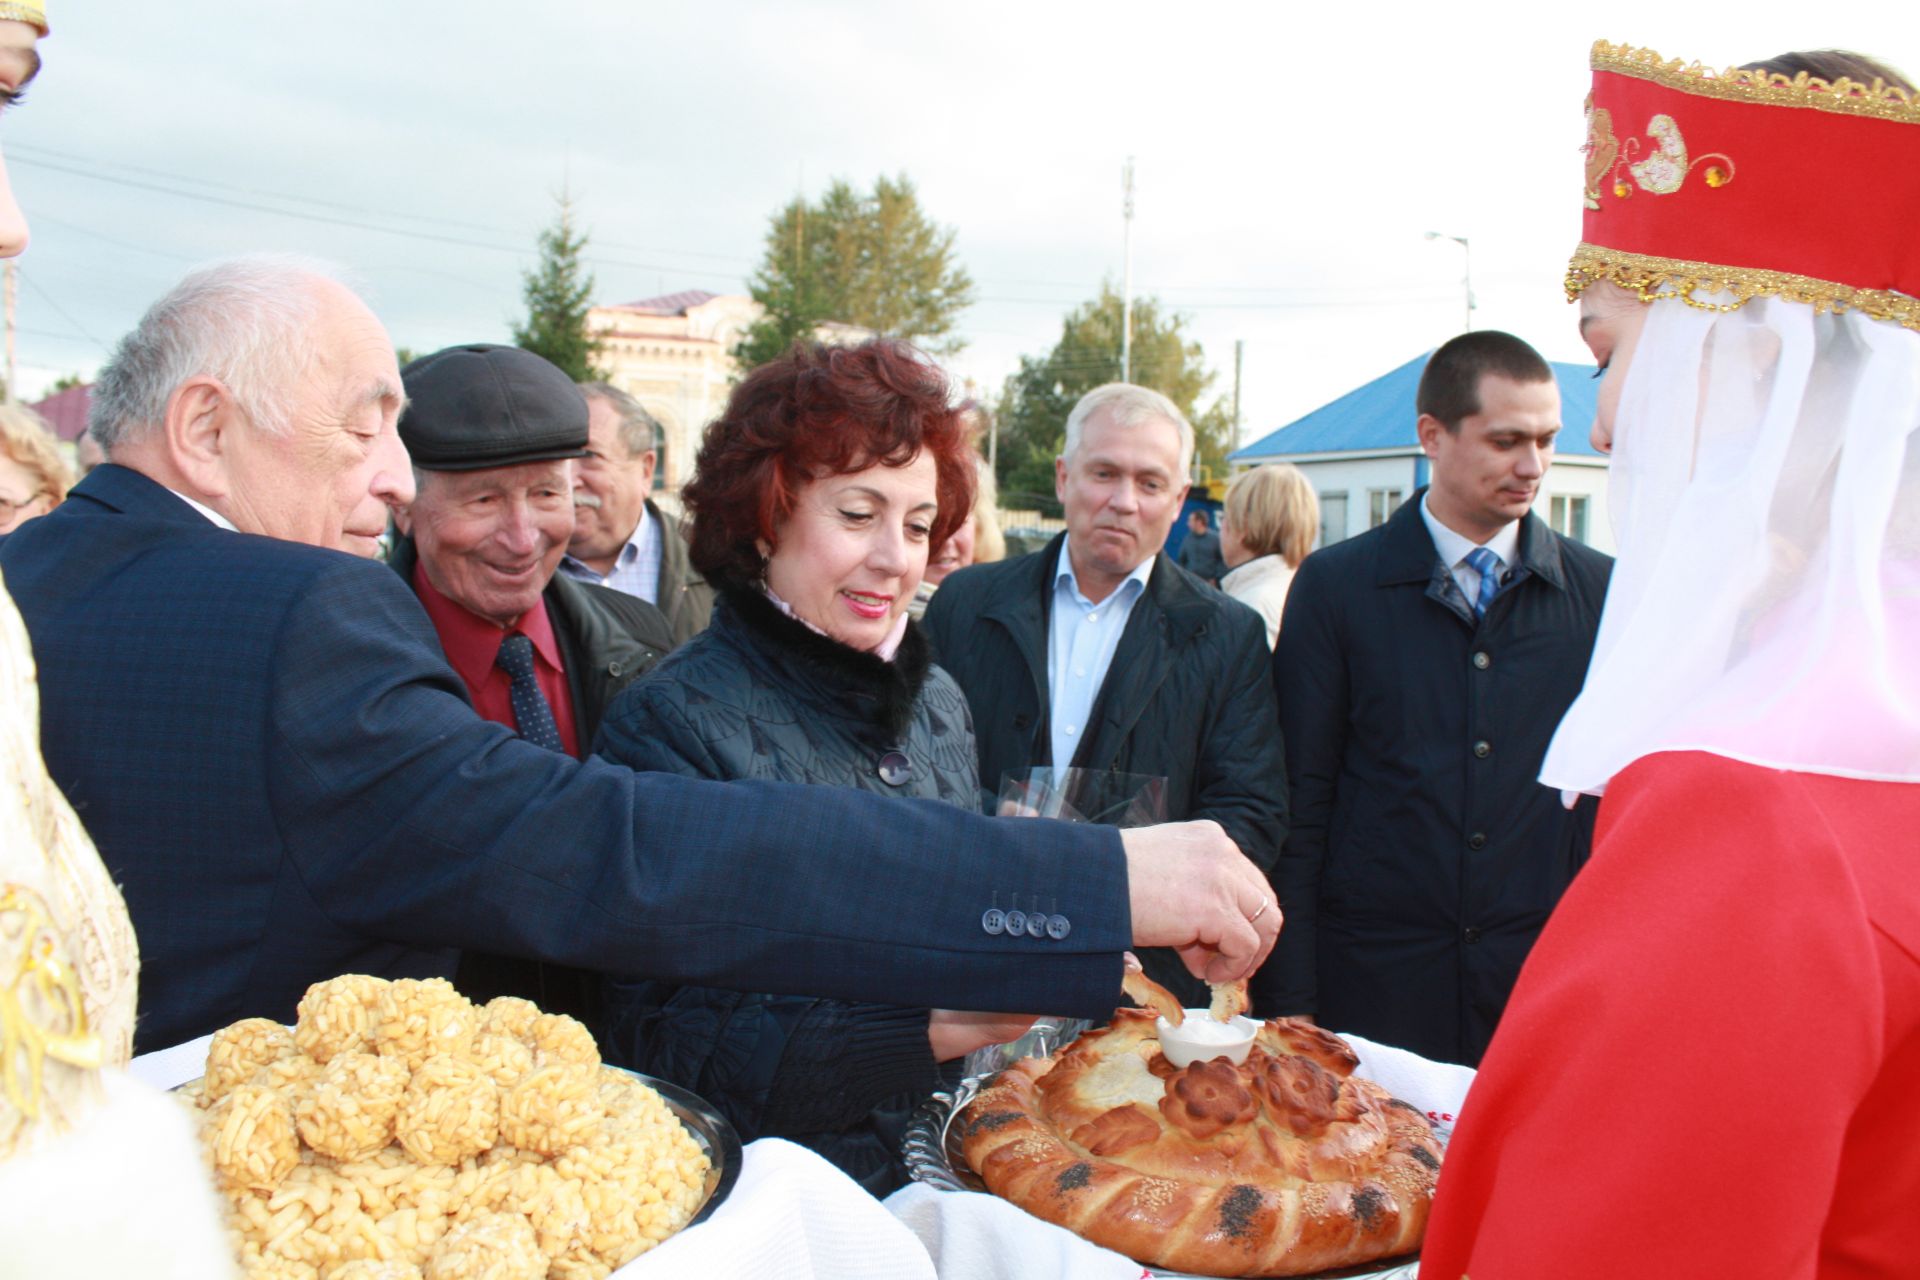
(288,780)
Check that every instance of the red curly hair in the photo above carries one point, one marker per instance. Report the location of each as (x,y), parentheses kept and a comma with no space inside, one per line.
(819,411)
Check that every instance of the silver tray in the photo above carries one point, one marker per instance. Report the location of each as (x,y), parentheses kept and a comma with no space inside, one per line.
(932,1154)
(714,1134)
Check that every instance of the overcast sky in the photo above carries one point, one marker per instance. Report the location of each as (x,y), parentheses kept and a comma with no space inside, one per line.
(1289,157)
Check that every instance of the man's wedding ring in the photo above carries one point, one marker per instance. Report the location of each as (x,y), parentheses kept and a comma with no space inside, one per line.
(1256,915)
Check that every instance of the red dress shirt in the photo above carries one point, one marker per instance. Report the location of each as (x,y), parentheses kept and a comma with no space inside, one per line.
(472,643)
(1711,1064)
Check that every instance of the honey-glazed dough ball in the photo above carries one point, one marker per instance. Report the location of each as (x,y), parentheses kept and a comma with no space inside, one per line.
(557,1038)
(349,1113)
(554,1108)
(505,1058)
(250,1131)
(370,1269)
(488,1246)
(294,1075)
(337,1016)
(511,1016)
(450,1111)
(241,1049)
(419,1019)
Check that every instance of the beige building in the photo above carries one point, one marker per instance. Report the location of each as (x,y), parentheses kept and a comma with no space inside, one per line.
(674,354)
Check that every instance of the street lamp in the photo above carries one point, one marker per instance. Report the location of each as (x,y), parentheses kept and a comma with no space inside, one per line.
(1467,249)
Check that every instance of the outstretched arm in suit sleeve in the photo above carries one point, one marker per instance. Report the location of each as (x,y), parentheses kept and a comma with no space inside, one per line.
(779,1066)
(412,819)
(1240,780)
(1310,683)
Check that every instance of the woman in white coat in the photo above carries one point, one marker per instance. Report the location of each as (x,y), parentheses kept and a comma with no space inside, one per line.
(1268,528)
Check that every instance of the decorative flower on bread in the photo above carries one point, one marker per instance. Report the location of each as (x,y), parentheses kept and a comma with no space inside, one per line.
(1207,1097)
(1298,1092)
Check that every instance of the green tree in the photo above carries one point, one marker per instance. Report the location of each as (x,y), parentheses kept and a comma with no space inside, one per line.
(66,382)
(871,259)
(558,294)
(1036,399)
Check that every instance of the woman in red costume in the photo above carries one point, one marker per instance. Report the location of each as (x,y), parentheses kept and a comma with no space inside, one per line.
(1711,1064)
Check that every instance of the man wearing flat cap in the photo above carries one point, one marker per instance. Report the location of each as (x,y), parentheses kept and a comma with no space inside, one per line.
(493,432)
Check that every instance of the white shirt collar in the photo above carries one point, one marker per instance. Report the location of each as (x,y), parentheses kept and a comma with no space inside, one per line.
(1063,570)
(1453,547)
(205,510)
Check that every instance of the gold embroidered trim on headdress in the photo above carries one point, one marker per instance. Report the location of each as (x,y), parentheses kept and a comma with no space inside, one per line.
(1655,278)
(1847,97)
(19,11)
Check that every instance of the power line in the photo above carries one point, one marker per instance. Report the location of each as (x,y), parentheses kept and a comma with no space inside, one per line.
(60,310)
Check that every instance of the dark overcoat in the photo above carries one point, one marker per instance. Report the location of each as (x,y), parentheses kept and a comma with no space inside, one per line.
(1188,697)
(1424,855)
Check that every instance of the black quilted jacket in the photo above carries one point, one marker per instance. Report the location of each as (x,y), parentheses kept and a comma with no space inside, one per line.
(759,695)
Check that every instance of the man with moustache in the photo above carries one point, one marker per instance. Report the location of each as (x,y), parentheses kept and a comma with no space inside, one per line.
(621,539)
(1100,653)
(1422,667)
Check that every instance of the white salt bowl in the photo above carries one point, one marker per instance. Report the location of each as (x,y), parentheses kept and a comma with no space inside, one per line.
(1200,1038)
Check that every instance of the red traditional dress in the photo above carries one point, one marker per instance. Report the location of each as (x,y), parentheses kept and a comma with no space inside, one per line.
(1750,1111)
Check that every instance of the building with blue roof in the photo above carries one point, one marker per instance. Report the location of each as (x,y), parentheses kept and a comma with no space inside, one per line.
(1364,458)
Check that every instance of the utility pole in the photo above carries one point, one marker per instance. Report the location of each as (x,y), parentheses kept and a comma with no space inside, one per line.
(1239,349)
(1126,274)
(1466,249)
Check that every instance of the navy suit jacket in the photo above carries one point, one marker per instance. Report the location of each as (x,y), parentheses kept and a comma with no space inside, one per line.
(288,782)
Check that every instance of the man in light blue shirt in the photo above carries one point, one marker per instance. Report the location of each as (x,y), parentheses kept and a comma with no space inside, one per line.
(1100,653)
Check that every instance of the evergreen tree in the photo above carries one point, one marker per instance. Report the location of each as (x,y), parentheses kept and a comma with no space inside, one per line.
(873,260)
(1036,399)
(558,294)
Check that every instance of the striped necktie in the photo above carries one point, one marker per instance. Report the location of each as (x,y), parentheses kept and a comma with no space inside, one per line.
(1487,565)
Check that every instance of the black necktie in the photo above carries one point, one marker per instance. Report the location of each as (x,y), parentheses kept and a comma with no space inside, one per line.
(530,709)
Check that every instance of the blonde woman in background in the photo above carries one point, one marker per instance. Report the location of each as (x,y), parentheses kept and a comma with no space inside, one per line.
(33,476)
(1266,531)
(978,541)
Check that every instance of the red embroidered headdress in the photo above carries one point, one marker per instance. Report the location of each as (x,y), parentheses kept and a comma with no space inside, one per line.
(1746,183)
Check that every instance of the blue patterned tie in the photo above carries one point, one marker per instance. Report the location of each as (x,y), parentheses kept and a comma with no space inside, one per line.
(530,709)
(1484,563)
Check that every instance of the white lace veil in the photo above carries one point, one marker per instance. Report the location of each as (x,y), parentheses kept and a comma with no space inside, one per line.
(1766,501)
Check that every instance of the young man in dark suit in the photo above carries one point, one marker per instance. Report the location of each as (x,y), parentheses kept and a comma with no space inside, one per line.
(1421,669)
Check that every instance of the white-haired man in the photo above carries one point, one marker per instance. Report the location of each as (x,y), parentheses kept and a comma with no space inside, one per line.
(1098,652)
(289,781)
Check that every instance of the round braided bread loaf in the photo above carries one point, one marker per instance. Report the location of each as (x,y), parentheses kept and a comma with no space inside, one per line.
(1280,1166)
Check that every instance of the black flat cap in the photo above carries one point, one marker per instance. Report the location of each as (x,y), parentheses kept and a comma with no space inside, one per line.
(482,405)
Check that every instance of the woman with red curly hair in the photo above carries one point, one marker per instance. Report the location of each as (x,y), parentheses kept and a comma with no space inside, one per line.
(816,498)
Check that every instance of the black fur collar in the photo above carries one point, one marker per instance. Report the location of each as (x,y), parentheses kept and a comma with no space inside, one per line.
(885,691)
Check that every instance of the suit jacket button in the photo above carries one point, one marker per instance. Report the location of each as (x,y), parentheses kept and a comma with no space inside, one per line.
(1482,749)
(1471,933)
(1482,660)
(994,921)
(1477,840)
(1058,927)
(895,769)
(613,669)
(1017,923)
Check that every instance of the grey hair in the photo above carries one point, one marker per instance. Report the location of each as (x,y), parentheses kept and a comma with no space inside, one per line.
(246,321)
(1130,406)
(639,430)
